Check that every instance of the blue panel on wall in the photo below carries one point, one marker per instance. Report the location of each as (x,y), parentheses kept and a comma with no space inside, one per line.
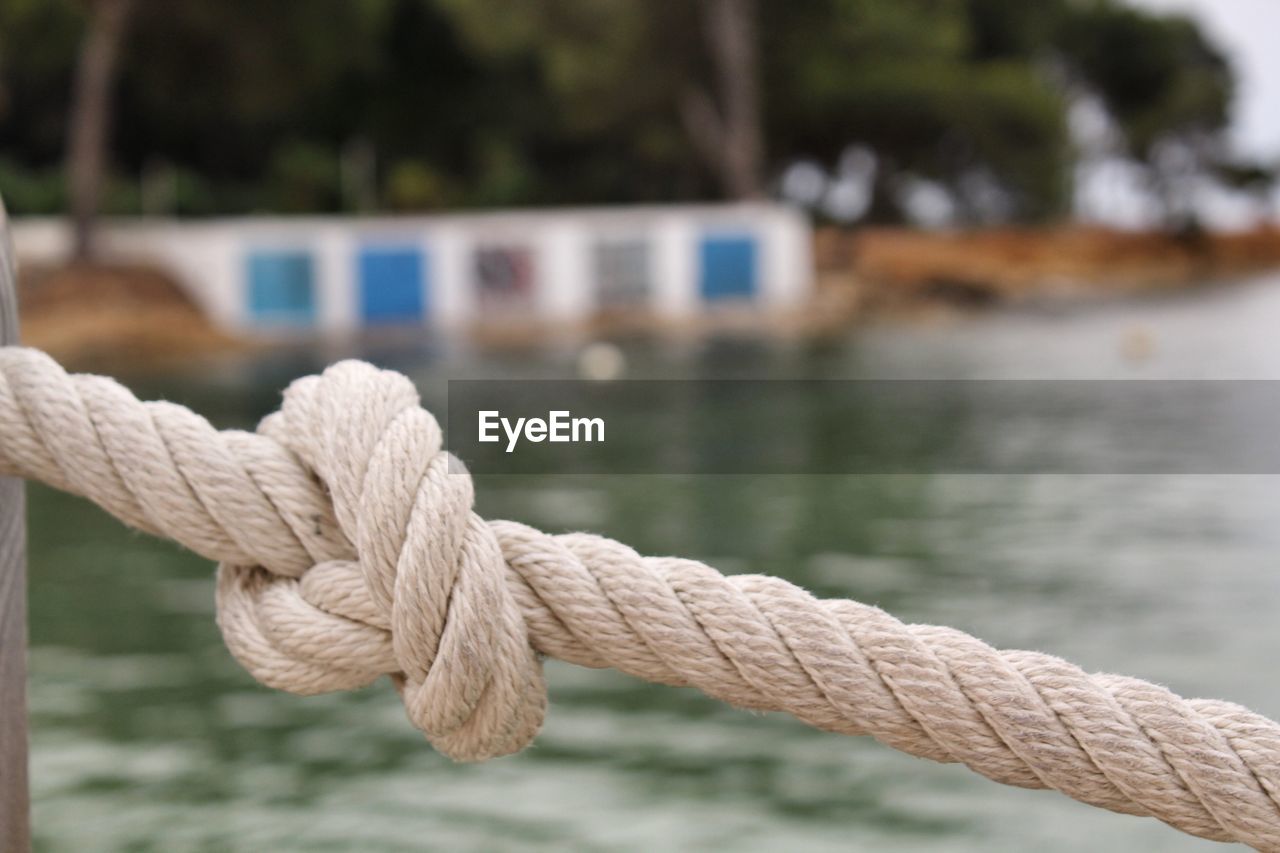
(393,284)
(281,288)
(728,267)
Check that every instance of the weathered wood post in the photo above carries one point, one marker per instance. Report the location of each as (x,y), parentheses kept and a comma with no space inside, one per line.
(15,807)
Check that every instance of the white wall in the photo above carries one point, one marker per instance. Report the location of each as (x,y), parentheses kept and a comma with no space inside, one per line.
(675,266)
(208,257)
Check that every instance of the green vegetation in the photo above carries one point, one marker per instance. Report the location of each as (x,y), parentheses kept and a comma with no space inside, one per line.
(328,105)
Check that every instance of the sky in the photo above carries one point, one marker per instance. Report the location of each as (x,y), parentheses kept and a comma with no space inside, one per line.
(1247,30)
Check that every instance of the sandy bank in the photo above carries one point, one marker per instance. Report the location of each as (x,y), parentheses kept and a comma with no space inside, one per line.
(83,315)
(888,269)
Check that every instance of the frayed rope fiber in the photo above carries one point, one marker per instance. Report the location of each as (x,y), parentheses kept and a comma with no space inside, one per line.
(348,550)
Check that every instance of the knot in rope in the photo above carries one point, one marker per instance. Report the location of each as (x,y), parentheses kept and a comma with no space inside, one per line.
(425,598)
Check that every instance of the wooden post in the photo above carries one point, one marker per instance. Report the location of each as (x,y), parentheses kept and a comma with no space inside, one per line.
(15,806)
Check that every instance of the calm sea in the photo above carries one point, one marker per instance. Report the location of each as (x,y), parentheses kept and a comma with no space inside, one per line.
(148,737)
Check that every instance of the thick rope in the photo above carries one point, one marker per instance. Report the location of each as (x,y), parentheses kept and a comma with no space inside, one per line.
(349,550)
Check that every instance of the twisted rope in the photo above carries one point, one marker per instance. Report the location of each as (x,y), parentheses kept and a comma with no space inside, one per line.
(348,551)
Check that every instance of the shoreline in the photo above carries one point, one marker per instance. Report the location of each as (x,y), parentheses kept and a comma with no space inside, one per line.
(85,314)
(890,268)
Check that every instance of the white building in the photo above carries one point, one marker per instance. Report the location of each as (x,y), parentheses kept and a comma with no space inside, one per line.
(341,274)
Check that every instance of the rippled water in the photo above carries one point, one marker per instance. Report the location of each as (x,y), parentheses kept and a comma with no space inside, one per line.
(148,737)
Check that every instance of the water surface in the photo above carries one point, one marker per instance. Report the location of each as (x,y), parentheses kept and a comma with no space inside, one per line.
(148,737)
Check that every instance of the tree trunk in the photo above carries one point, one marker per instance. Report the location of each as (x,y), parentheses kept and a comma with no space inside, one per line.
(91,118)
(730,136)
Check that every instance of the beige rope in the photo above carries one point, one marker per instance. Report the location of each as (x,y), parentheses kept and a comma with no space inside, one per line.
(348,551)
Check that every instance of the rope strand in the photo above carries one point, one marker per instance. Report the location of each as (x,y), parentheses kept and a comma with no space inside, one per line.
(348,551)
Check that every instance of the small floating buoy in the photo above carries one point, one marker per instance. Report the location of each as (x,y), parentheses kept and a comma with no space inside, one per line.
(1137,345)
(601,361)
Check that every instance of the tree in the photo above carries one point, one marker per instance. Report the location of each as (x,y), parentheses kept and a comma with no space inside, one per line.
(728,130)
(1164,85)
(352,104)
(701,75)
(931,92)
(91,117)
(614,74)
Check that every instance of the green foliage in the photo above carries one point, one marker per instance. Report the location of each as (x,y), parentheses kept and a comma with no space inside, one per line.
(31,190)
(413,186)
(486,102)
(304,177)
(1165,86)
(935,89)
(1006,29)
(1158,76)
(38,40)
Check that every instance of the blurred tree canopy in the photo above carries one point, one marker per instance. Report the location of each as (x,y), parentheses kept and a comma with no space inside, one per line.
(248,105)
